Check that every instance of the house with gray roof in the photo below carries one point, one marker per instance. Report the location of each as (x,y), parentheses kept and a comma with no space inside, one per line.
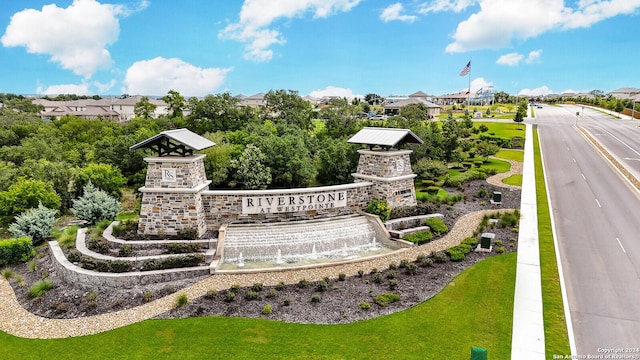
(433,110)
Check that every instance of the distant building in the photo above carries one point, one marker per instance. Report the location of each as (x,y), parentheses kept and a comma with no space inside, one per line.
(625,93)
(256,101)
(115,109)
(433,110)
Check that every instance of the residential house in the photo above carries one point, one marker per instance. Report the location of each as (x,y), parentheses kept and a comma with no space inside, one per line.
(433,110)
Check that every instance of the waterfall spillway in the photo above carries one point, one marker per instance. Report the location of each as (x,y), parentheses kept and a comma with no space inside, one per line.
(310,238)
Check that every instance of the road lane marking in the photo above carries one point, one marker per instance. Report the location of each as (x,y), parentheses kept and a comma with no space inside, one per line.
(598,202)
(619,243)
(574,159)
(621,142)
(583,177)
(631,159)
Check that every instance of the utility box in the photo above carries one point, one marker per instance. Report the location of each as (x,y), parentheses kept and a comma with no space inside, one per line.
(478,353)
(486,239)
(496,198)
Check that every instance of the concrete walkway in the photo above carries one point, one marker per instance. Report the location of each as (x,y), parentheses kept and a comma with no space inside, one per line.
(527,340)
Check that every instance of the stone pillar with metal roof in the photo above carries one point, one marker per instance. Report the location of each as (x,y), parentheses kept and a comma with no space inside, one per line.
(171,195)
(385,165)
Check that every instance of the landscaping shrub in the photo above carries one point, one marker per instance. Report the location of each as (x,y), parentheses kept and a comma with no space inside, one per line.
(173,248)
(455,255)
(272,293)
(421,237)
(509,219)
(147,296)
(432,190)
(16,250)
(98,245)
(377,278)
(315,298)
(471,241)
(500,249)
(173,262)
(386,299)
(426,262)
(391,274)
(439,257)
(187,234)
(380,208)
(74,256)
(257,287)
(267,309)
(211,294)
(181,300)
(364,305)
(286,302)
(411,269)
(35,223)
(423,208)
(39,288)
(95,205)
(230,296)
(322,286)
(120,266)
(251,295)
(459,179)
(125,251)
(342,277)
(393,284)
(281,286)
(437,226)
(303,283)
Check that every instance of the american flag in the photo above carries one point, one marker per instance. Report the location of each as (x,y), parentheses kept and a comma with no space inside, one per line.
(466,69)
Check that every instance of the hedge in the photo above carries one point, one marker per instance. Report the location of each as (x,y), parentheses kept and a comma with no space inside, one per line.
(16,250)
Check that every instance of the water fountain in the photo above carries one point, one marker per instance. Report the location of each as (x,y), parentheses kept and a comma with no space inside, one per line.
(303,243)
(240,260)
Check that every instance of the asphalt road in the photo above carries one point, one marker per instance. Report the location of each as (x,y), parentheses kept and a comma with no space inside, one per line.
(597,222)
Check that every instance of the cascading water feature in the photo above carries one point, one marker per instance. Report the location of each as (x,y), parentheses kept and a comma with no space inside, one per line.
(307,242)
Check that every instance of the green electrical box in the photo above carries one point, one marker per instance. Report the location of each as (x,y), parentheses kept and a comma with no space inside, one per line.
(478,353)
(485,240)
(497,197)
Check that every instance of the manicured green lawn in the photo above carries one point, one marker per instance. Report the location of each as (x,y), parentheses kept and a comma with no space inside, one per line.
(515,155)
(555,327)
(515,179)
(502,129)
(464,314)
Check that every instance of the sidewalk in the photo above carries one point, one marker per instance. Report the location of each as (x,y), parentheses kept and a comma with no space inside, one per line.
(527,340)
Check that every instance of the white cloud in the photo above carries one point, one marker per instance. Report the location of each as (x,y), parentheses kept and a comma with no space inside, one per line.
(499,22)
(539,91)
(75,37)
(334,91)
(533,56)
(392,12)
(78,89)
(445,5)
(158,76)
(104,88)
(511,59)
(256,16)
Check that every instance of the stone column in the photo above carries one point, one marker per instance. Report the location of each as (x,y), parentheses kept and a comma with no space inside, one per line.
(172,195)
(391,175)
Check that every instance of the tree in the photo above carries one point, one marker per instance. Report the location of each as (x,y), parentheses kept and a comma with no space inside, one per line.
(340,118)
(220,112)
(486,149)
(373,99)
(59,174)
(95,205)
(104,176)
(35,223)
(217,163)
(144,108)
(336,161)
(25,194)
(519,118)
(251,172)
(175,102)
(289,107)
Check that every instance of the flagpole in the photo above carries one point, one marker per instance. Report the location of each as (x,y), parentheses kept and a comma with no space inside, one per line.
(469,90)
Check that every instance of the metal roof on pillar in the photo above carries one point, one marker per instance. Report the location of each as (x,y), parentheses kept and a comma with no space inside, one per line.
(384,137)
(181,142)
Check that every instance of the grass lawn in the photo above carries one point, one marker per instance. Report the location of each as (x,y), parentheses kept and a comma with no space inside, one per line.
(464,314)
(515,155)
(502,129)
(515,179)
(555,327)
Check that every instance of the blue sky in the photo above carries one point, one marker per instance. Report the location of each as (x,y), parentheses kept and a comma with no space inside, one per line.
(317,47)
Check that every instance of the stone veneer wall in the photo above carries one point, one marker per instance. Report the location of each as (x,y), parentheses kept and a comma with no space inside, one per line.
(391,174)
(225,206)
(170,206)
